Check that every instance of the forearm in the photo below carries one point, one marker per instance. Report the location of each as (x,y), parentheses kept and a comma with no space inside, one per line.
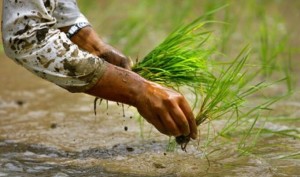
(30,39)
(167,110)
(120,85)
(87,39)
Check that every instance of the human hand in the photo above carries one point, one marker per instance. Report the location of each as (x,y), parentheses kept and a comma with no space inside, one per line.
(88,39)
(167,110)
(115,57)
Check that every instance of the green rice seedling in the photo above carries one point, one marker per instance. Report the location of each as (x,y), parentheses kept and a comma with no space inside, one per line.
(291,156)
(224,90)
(268,52)
(210,6)
(272,42)
(137,28)
(242,146)
(246,147)
(181,59)
(128,31)
(294,133)
(227,96)
(283,119)
(287,70)
(221,95)
(227,30)
(171,16)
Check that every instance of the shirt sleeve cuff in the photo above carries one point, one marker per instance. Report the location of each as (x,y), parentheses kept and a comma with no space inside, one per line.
(71,21)
(98,73)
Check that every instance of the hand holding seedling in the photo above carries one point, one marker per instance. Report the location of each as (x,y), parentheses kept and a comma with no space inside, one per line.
(75,58)
(182,59)
(166,109)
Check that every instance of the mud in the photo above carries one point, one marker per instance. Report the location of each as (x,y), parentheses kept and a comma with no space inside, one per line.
(46,131)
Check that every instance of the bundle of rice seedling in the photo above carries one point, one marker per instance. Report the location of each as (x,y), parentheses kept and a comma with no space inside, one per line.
(227,96)
(181,59)
(223,95)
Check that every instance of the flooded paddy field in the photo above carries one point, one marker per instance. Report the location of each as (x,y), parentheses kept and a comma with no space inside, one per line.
(46,131)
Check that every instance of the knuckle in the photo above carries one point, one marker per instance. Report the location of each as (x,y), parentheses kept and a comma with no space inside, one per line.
(171,102)
(156,106)
(181,99)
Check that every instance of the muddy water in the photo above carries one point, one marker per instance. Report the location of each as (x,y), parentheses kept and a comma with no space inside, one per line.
(46,131)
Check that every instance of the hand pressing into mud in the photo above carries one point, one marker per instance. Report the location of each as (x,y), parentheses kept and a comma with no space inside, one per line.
(167,110)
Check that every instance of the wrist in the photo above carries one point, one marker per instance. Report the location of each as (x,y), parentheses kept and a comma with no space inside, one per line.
(74,29)
(120,85)
(140,91)
(87,39)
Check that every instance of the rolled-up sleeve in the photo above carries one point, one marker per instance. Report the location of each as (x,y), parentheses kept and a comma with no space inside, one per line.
(31,38)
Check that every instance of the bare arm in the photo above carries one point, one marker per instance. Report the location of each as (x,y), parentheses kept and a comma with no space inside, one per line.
(166,109)
(88,40)
(30,40)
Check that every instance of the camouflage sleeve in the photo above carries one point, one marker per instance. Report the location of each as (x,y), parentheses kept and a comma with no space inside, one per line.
(31,39)
(67,13)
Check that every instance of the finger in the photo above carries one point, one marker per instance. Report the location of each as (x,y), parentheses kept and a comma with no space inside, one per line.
(128,63)
(159,125)
(181,121)
(190,117)
(169,124)
(155,121)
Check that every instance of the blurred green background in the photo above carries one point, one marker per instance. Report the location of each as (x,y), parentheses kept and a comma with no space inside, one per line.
(135,27)
(270,27)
